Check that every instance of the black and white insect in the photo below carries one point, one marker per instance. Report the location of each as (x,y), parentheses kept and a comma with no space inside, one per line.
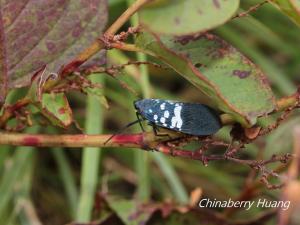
(189,118)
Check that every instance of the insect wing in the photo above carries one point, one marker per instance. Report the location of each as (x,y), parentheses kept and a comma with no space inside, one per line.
(199,120)
(189,118)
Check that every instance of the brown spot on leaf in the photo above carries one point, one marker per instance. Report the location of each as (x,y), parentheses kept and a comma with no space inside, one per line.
(216,3)
(177,21)
(50,46)
(62,110)
(198,65)
(77,31)
(187,38)
(241,73)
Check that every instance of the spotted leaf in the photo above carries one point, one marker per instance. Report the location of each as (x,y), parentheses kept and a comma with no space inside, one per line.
(228,79)
(56,108)
(38,33)
(179,17)
(3,64)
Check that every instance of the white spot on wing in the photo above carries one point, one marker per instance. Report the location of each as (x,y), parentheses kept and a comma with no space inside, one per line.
(176,119)
(150,111)
(162,106)
(163,120)
(155,117)
(166,114)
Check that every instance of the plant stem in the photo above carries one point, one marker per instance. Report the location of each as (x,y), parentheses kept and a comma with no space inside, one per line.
(8,111)
(134,7)
(287,102)
(138,140)
(97,45)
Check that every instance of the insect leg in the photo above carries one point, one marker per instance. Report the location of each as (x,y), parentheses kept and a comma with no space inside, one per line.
(155,131)
(139,119)
(230,149)
(122,129)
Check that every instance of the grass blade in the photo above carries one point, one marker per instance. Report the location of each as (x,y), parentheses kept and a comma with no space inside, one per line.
(90,158)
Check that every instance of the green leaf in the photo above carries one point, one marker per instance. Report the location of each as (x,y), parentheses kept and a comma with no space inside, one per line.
(179,17)
(90,158)
(231,82)
(56,108)
(96,90)
(128,211)
(281,140)
(291,8)
(98,93)
(131,213)
(176,218)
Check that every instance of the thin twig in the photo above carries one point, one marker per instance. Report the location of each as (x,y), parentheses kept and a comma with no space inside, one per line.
(251,9)
(99,44)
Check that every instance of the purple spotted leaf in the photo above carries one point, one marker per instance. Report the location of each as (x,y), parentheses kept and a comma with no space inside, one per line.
(3,65)
(229,80)
(38,33)
(180,17)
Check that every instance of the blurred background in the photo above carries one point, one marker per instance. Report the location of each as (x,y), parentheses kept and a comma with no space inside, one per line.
(58,186)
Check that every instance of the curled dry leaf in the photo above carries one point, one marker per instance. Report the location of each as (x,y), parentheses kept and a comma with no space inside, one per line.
(195,196)
(252,132)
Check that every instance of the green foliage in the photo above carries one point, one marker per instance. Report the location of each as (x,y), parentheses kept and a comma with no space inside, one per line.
(215,68)
(178,17)
(56,108)
(291,8)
